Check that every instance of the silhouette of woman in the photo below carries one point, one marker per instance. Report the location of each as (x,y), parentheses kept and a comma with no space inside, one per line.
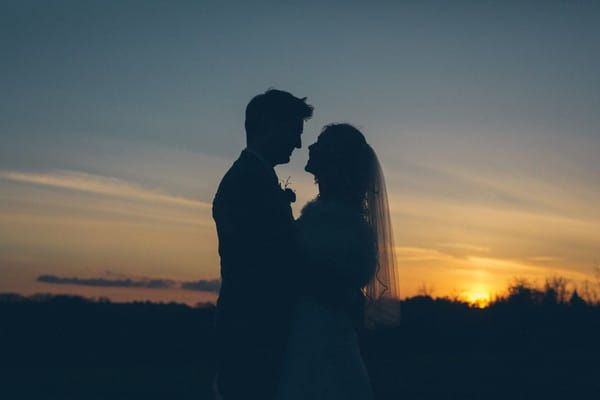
(345,241)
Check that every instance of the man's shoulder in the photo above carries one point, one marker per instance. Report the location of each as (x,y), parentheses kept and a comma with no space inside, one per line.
(241,170)
(245,173)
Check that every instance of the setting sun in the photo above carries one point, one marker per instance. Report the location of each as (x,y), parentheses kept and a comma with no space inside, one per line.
(478,299)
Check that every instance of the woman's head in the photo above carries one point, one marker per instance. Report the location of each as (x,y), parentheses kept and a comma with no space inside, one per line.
(342,163)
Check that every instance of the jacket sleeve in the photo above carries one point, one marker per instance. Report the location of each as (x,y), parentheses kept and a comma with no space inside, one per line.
(255,229)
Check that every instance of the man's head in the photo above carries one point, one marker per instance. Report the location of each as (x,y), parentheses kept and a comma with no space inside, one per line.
(274,123)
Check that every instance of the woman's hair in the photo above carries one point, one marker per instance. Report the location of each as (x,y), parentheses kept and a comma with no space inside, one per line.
(353,161)
(362,178)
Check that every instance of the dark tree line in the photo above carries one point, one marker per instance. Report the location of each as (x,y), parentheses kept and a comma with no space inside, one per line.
(531,343)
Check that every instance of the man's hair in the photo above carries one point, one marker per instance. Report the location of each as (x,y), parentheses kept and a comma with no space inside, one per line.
(274,105)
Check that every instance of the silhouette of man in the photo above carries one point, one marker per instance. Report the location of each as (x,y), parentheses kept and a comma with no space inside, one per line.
(257,248)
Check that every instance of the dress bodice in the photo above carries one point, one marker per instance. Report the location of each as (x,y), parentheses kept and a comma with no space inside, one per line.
(336,244)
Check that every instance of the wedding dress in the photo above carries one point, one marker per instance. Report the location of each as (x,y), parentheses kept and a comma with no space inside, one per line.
(323,359)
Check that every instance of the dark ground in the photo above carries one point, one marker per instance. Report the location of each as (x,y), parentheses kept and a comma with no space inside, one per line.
(63,347)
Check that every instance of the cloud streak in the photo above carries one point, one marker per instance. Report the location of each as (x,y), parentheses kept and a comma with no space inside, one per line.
(145,283)
(90,183)
(201,285)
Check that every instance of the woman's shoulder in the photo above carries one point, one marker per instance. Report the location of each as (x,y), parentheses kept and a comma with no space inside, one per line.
(336,237)
(332,219)
(319,210)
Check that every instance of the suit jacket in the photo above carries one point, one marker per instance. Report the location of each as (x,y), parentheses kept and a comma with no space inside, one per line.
(258,252)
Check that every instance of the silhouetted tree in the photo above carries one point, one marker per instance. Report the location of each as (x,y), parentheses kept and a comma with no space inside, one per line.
(522,293)
(589,292)
(576,300)
(555,290)
(425,290)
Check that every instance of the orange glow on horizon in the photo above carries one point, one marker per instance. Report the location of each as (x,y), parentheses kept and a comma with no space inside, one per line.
(478,299)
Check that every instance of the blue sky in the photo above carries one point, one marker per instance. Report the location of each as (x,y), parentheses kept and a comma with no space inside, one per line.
(484,115)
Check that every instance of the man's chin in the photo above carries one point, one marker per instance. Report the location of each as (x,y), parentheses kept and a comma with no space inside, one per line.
(283,160)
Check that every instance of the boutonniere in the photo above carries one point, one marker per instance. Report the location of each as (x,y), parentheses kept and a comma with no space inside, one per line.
(288,192)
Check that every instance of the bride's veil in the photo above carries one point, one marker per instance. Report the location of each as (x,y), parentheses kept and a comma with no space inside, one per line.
(383,298)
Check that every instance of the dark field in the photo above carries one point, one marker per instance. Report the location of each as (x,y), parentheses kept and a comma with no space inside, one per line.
(525,346)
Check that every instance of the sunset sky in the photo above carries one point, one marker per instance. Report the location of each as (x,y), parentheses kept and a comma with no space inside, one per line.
(118,119)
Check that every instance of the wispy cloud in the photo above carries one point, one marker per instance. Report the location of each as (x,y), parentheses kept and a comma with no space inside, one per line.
(465,246)
(470,263)
(421,254)
(84,182)
(544,258)
(202,285)
(145,283)
(502,265)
